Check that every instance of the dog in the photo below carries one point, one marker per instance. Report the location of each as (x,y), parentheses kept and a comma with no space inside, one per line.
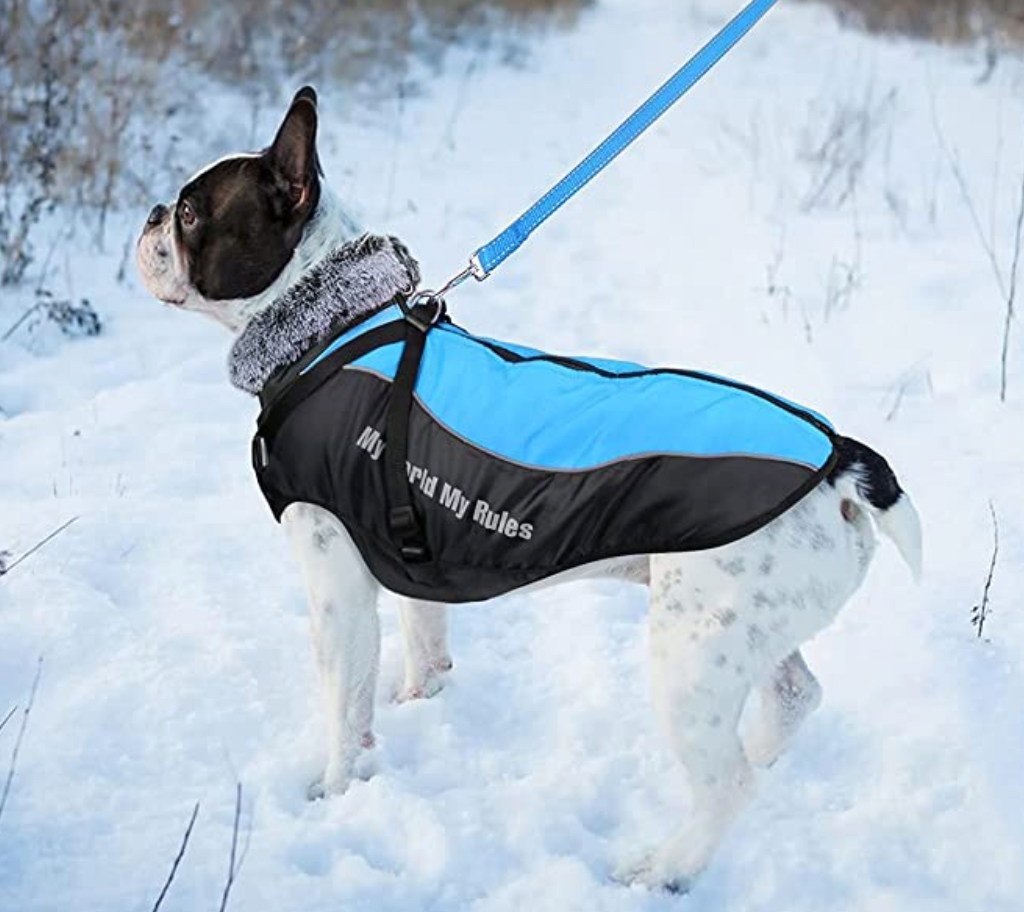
(244,233)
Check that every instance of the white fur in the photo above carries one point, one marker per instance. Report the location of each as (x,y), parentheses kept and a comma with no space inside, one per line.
(342,597)
(724,623)
(902,525)
(727,622)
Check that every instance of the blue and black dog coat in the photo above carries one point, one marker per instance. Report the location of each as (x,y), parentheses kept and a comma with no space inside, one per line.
(464,468)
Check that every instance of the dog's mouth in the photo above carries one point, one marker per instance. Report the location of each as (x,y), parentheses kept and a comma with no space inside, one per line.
(155,264)
(172,302)
(160,293)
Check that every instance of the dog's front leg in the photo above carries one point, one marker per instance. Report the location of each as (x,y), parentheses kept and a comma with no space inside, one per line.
(425,634)
(346,635)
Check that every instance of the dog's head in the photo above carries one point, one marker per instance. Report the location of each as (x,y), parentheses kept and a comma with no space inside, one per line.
(231,239)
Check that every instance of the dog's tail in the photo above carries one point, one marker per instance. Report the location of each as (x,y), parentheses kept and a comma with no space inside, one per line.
(866,478)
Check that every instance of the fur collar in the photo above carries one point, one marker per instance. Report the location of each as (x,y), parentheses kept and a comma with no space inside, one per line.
(351,283)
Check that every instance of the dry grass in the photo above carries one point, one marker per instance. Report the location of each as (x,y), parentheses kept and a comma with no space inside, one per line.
(82,81)
(951,21)
(246,40)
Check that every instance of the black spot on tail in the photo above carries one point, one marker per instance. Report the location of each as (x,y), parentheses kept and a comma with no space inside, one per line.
(875,480)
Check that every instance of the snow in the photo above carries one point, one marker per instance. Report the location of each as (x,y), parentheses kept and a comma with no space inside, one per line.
(171,620)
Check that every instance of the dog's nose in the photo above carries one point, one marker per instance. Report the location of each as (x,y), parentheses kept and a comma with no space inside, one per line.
(156,214)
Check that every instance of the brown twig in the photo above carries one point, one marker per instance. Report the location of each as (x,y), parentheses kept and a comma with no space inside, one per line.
(987,243)
(235,863)
(21,736)
(177,858)
(14,326)
(7,718)
(980,613)
(1011,297)
(4,570)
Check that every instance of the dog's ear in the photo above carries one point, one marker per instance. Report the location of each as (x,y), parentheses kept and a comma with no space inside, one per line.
(292,155)
(307,92)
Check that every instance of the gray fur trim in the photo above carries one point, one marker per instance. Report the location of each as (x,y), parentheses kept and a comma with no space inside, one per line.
(356,280)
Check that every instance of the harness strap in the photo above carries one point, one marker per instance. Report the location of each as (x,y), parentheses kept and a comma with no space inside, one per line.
(403,519)
(279,405)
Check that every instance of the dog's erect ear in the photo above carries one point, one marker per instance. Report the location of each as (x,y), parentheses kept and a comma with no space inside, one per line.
(293,152)
(307,92)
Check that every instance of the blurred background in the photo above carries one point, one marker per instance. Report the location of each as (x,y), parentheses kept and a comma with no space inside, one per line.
(82,81)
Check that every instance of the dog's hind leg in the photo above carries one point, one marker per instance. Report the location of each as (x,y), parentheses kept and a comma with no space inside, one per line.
(787,699)
(700,679)
(425,635)
(346,635)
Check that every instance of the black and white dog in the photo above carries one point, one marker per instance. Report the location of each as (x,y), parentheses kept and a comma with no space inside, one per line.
(240,244)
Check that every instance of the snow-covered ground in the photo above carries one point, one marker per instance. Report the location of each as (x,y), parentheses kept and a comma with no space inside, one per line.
(172,623)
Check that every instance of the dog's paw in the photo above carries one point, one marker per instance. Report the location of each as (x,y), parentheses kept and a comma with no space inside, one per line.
(356,763)
(324,787)
(648,873)
(675,866)
(425,686)
(764,747)
(423,691)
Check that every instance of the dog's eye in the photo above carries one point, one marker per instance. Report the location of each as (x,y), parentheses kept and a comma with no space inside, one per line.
(187,215)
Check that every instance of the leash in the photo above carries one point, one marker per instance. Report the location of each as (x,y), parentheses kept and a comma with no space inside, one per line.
(495,252)
(425,308)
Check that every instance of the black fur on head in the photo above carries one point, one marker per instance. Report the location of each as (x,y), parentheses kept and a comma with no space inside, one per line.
(238,223)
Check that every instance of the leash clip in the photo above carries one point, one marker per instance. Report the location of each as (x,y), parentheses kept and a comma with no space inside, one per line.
(423,299)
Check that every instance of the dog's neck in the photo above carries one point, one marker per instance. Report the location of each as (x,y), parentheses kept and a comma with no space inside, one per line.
(347,285)
(329,226)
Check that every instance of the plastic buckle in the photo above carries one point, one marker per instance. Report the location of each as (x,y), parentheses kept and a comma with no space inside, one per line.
(403,520)
(405,525)
(415,554)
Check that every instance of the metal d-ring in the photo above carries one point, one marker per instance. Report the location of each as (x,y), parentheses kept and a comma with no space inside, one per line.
(414,305)
(413,299)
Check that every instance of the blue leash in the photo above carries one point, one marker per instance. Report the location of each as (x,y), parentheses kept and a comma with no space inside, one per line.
(494,253)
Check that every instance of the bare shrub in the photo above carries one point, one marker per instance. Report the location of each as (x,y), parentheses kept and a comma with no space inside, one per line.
(83,81)
(1005,271)
(69,93)
(942,20)
(837,143)
(39,50)
(75,319)
(259,39)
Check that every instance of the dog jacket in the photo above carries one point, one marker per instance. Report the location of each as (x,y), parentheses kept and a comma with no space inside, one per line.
(464,468)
